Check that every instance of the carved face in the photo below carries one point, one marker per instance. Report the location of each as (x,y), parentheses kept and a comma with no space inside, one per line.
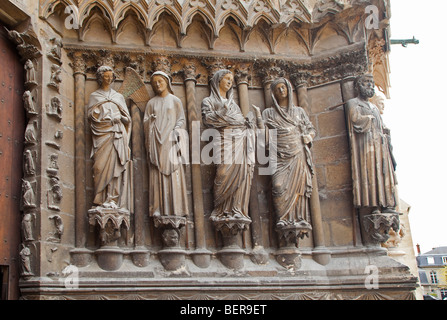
(159,84)
(280,91)
(366,87)
(170,238)
(226,83)
(107,78)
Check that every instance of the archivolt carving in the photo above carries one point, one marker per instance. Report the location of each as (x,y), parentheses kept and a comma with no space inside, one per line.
(246,14)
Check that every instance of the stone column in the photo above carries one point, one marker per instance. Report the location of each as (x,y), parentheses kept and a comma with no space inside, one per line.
(140,255)
(259,255)
(201,256)
(320,253)
(80,255)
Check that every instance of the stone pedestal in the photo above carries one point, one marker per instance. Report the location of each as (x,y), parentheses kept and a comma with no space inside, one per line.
(172,256)
(288,255)
(231,255)
(140,257)
(110,220)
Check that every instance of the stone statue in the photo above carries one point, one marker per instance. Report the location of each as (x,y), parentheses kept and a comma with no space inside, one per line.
(234,138)
(28,196)
(373,175)
(292,179)
(233,178)
(28,164)
(110,123)
(27,225)
(55,78)
(25,265)
(374,180)
(165,142)
(30,73)
(167,145)
(28,102)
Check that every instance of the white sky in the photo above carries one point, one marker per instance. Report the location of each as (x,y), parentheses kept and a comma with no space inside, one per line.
(417,116)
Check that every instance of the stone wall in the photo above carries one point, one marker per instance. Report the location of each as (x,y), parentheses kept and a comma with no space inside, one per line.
(320,47)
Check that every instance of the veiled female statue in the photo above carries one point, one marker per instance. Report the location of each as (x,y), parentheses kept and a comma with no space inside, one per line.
(110,123)
(234,177)
(164,120)
(292,179)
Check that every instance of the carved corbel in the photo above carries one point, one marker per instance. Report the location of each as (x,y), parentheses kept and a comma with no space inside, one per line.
(378,226)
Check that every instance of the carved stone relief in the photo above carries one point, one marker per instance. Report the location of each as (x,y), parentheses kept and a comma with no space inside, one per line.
(55,78)
(58,229)
(54,109)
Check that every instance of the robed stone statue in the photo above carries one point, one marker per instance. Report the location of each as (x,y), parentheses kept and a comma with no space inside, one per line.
(110,124)
(373,175)
(167,147)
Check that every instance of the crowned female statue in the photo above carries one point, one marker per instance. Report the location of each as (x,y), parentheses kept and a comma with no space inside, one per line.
(110,124)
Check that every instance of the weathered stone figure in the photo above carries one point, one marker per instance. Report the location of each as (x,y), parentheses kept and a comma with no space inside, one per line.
(110,123)
(373,176)
(292,179)
(233,178)
(163,120)
(30,72)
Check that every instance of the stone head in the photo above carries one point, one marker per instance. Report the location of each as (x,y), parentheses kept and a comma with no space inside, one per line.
(364,86)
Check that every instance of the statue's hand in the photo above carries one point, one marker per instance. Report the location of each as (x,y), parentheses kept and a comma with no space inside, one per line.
(257,110)
(307,138)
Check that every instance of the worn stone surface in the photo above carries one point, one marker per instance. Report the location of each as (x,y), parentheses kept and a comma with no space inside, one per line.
(267,40)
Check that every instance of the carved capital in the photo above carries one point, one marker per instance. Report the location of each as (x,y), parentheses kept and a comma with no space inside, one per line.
(242,74)
(300,79)
(189,73)
(290,233)
(78,65)
(231,227)
(214,66)
(378,226)
(109,220)
(269,73)
(162,64)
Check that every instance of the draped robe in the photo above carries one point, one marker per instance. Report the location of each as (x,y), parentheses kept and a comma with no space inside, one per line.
(167,191)
(374,180)
(292,180)
(233,178)
(110,150)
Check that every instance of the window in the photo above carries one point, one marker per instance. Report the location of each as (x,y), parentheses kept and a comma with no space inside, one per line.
(444,260)
(430,260)
(433,277)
